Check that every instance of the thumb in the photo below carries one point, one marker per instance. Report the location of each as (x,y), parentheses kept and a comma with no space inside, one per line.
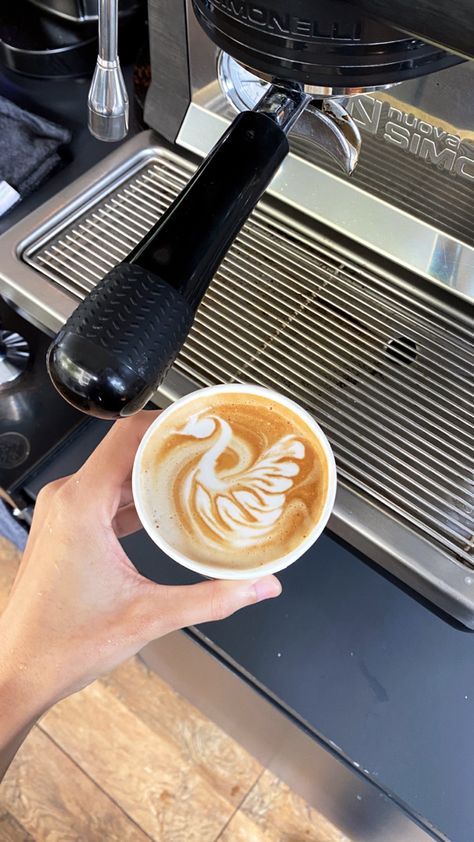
(188,605)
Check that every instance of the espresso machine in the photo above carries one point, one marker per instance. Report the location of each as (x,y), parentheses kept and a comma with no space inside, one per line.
(298,215)
(314,55)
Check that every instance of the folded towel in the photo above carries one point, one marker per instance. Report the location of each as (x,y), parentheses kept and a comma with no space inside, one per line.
(29,151)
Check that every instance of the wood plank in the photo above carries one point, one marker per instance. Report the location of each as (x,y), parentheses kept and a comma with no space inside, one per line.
(144,772)
(273,813)
(54,800)
(228,768)
(9,561)
(11,831)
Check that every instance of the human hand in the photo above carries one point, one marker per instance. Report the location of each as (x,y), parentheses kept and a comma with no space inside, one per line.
(78,606)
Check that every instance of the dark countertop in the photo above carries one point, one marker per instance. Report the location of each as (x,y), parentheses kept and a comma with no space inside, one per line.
(364,663)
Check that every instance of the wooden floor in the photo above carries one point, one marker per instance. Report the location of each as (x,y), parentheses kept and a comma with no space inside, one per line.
(128,759)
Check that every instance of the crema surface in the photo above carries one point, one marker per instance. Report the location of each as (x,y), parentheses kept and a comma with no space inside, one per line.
(234,480)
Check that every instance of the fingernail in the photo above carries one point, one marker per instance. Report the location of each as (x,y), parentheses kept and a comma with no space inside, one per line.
(267,588)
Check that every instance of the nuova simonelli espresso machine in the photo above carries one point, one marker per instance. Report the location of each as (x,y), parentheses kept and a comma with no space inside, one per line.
(119,344)
(351,293)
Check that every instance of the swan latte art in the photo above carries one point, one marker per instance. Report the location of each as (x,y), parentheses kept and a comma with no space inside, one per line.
(233,480)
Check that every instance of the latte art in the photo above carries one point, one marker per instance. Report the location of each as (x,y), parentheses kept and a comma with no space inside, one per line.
(235,481)
(241,505)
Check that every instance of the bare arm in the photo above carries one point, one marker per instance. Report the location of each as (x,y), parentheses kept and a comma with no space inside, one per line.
(18,714)
(78,606)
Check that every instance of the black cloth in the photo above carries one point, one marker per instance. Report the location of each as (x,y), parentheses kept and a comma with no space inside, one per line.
(29,147)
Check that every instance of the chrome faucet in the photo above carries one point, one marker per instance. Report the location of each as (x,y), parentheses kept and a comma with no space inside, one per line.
(108,100)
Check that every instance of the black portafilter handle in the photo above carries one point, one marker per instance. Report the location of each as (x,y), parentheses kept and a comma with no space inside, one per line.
(116,348)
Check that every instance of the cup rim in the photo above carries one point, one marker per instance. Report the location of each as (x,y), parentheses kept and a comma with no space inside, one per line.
(214,571)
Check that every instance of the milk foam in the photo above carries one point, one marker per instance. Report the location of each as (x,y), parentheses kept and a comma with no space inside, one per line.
(233,485)
(239,506)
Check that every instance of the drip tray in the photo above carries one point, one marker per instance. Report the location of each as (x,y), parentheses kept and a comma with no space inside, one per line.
(388,370)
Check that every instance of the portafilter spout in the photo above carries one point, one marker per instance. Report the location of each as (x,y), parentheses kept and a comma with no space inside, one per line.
(118,345)
(108,100)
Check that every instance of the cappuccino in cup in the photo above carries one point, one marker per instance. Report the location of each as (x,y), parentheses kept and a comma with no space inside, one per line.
(234,481)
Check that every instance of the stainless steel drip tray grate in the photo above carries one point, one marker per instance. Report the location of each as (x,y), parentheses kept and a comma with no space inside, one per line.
(389,375)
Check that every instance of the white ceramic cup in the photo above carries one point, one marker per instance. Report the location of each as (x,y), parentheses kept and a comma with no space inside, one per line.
(214,571)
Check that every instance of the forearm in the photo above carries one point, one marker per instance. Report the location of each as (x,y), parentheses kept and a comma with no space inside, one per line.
(21,704)
(78,606)
(9,748)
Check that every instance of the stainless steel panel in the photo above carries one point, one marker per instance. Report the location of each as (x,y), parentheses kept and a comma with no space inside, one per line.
(387,370)
(368,219)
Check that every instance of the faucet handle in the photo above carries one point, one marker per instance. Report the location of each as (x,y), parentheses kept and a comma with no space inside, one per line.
(108,102)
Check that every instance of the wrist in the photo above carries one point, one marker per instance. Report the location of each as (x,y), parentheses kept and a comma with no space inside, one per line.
(21,705)
(25,691)
(22,700)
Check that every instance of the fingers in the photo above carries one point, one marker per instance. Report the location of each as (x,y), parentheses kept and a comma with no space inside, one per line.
(187,605)
(126,494)
(110,465)
(126,521)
